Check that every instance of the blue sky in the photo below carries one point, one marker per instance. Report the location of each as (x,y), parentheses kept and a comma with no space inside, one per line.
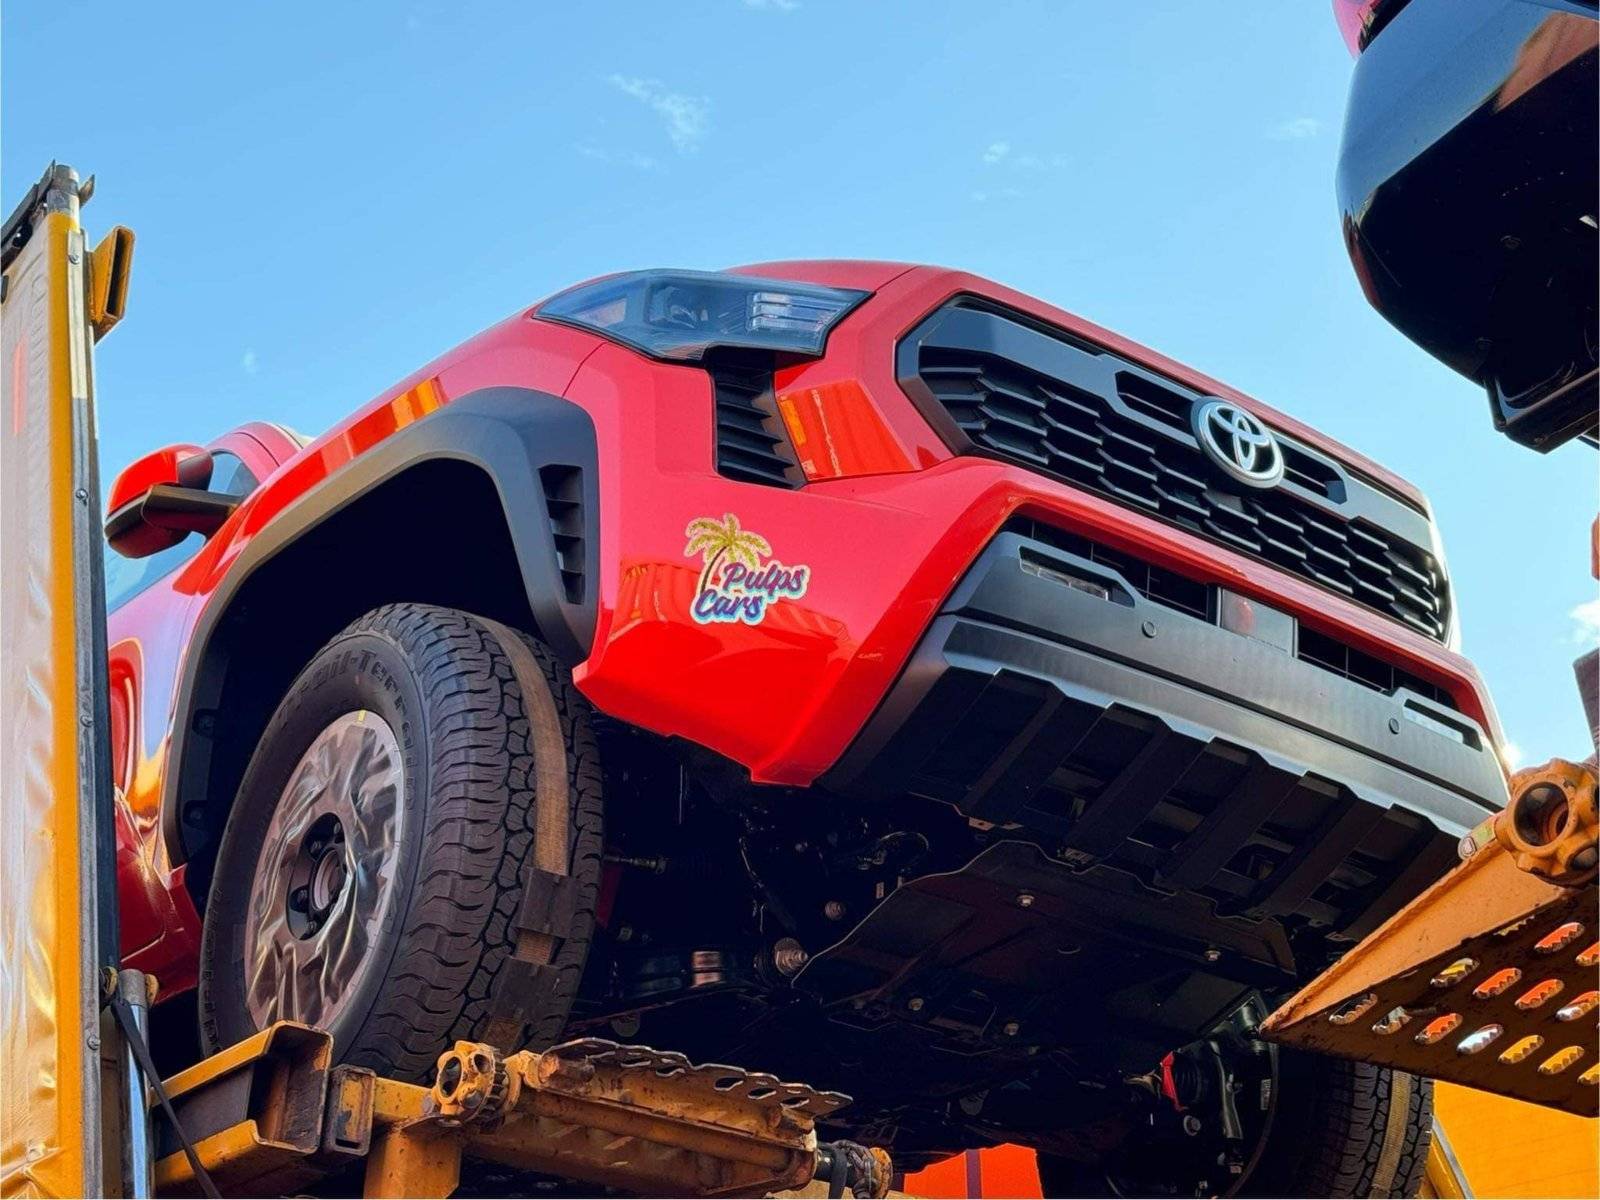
(326,195)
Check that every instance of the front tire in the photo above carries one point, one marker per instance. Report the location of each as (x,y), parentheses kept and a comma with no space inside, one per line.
(420,768)
(1340,1129)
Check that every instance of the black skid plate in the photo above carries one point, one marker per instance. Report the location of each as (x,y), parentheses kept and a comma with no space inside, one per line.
(1017,950)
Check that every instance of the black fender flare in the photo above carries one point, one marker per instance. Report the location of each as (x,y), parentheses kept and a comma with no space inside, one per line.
(538,450)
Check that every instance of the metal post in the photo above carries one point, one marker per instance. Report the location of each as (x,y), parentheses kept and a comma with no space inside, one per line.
(138,1162)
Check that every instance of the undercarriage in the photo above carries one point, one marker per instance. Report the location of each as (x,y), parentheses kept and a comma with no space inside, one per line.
(964,984)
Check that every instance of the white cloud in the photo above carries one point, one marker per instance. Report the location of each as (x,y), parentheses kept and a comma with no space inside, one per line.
(773,5)
(1295,130)
(1587,616)
(688,118)
(625,158)
(1004,153)
(249,362)
(1005,193)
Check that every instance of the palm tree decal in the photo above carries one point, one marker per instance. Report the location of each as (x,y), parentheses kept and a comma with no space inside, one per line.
(718,540)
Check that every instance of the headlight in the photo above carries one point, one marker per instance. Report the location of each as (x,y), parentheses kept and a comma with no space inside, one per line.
(682,314)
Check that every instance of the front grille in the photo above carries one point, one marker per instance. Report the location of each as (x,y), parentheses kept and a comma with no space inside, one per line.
(1172,590)
(1082,415)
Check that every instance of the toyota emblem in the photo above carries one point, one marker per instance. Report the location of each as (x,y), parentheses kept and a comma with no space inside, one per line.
(1238,442)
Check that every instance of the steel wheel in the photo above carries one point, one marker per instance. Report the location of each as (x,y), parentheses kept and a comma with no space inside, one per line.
(325,881)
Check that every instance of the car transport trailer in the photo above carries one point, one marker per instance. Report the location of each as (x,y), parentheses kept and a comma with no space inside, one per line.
(85,1115)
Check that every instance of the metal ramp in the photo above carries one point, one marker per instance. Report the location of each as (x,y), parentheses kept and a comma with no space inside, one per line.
(1490,977)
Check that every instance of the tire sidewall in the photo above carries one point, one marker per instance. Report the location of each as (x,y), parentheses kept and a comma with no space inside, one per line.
(357,670)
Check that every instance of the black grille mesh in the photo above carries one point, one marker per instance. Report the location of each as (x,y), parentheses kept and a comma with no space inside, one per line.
(1060,429)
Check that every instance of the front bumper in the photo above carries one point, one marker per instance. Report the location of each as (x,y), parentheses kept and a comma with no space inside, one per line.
(1467,182)
(1118,730)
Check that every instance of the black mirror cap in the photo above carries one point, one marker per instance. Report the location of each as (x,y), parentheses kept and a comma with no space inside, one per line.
(164,516)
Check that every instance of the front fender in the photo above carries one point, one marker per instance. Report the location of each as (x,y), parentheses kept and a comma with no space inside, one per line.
(539,453)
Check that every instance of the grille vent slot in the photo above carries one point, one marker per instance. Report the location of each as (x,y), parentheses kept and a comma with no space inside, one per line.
(752,445)
(563,505)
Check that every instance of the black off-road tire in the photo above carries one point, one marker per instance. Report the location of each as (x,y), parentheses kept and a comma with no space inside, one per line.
(478,709)
(1341,1129)
(1345,1129)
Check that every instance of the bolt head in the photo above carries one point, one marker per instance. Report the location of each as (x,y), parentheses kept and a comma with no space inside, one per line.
(1148,628)
(1024,899)
(916,1003)
(1011,1029)
(1213,954)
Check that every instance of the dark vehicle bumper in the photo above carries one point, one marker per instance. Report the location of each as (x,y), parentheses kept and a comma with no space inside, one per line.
(1115,730)
(1467,169)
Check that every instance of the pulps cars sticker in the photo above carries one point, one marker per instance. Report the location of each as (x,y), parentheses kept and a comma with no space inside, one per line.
(740,580)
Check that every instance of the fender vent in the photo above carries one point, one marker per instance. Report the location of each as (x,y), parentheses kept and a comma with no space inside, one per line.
(752,445)
(563,504)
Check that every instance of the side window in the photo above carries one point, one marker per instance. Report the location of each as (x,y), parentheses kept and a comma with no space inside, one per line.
(127,577)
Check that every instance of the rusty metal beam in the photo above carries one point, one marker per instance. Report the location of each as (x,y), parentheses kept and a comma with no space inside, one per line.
(271,1115)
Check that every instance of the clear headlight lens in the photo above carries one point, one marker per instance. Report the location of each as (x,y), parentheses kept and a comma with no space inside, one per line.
(681,314)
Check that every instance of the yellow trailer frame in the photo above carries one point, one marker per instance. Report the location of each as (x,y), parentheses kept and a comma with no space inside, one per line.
(273,1114)
(57,910)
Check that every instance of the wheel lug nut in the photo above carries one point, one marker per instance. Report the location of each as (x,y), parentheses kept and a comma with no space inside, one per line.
(300,899)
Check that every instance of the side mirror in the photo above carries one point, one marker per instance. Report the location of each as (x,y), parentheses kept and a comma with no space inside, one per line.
(160,499)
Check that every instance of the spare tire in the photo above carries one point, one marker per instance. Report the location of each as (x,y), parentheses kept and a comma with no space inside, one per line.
(423,768)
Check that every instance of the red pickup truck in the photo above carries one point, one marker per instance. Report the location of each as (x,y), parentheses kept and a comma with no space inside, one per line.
(990,718)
